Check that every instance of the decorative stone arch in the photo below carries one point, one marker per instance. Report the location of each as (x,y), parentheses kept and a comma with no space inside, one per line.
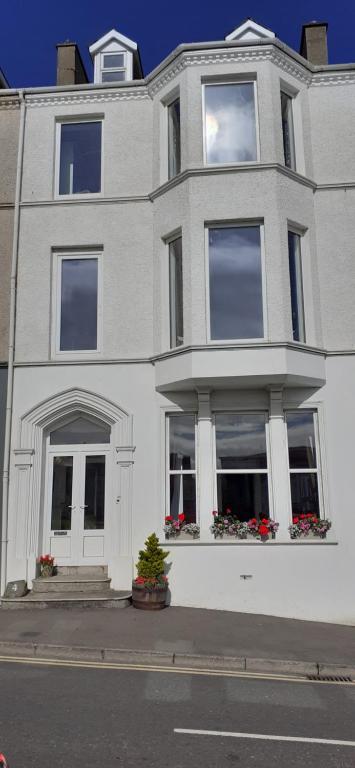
(29,461)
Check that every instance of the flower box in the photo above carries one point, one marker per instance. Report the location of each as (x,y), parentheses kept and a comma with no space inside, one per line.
(180,528)
(309,525)
(229,525)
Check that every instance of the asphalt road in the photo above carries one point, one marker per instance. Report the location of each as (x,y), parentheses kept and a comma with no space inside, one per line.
(81,717)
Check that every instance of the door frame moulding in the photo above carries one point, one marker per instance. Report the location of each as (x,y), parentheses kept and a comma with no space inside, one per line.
(27,496)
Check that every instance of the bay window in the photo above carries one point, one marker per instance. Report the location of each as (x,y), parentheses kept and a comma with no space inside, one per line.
(288,130)
(181,485)
(303,462)
(230,123)
(176,293)
(235,283)
(174,140)
(242,465)
(296,286)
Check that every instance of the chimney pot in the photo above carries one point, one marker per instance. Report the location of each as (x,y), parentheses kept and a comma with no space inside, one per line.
(314,46)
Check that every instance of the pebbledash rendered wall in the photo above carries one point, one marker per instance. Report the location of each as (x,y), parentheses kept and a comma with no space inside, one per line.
(129,223)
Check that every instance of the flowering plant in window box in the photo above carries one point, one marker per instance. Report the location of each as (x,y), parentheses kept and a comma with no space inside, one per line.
(303,525)
(173,528)
(46,563)
(230,525)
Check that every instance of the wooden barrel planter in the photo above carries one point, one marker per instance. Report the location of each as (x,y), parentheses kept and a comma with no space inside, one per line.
(149,599)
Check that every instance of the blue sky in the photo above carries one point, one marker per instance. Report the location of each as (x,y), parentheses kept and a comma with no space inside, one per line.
(29,30)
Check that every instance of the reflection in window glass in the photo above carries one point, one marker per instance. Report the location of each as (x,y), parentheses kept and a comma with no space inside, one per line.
(301,440)
(174,145)
(78,305)
(80,431)
(287,131)
(94,514)
(176,293)
(235,279)
(62,493)
(113,60)
(113,77)
(303,462)
(182,442)
(240,441)
(230,123)
(247,496)
(183,497)
(296,286)
(80,158)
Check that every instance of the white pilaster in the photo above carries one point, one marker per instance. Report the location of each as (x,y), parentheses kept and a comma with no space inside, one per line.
(279,464)
(205,462)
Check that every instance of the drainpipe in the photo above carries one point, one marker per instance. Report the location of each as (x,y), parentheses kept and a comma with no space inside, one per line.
(11,350)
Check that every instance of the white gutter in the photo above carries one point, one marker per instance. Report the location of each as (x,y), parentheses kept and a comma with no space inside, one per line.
(11,350)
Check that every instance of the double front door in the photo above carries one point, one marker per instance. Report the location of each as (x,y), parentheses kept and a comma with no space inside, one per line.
(77,505)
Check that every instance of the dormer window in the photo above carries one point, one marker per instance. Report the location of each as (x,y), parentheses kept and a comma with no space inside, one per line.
(115,58)
(113,67)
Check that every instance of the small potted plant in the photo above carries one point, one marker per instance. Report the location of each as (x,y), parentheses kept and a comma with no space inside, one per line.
(46,563)
(149,589)
(303,525)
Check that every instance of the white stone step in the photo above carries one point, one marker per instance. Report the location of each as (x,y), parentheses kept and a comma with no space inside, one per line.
(79,583)
(111,599)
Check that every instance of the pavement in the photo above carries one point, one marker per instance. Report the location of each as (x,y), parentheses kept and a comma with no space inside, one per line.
(184,637)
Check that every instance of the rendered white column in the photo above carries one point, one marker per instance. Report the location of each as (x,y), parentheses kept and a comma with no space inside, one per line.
(279,464)
(205,462)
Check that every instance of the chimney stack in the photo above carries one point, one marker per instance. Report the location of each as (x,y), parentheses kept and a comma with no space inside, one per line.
(314,46)
(70,67)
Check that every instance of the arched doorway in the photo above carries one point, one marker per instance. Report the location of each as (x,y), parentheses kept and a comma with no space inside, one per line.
(77,489)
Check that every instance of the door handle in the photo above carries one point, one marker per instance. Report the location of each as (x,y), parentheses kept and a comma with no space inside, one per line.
(71,506)
(84,506)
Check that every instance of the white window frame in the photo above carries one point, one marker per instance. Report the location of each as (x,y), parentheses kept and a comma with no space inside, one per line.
(59,257)
(169,103)
(169,472)
(267,471)
(58,130)
(231,225)
(291,96)
(316,470)
(234,81)
(113,69)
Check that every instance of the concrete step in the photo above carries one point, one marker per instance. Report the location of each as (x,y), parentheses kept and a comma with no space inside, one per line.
(111,599)
(81,570)
(66,584)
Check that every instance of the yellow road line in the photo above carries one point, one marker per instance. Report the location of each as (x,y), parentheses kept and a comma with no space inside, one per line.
(76,664)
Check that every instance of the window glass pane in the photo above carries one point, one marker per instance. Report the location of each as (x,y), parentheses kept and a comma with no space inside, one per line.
(287,131)
(230,123)
(236,301)
(176,294)
(240,441)
(78,321)
(296,286)
(183,497)
(304,493)
(301,440)
(174,138)
(80,158)
(62,493)
(182,442)
(94,514)
(80,431)
(112,60)
(245,495)
(113,77)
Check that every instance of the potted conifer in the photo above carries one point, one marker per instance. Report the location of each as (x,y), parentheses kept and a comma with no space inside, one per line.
(150,588)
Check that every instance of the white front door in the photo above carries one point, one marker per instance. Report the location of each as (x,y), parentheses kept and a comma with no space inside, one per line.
(77,504)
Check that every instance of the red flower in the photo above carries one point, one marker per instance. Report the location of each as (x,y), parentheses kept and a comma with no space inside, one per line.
(228,511)
(214,513)
(181,518)
(265,521)
(302,517)
(253,520)
(168,519)
(263,530)
(295,520)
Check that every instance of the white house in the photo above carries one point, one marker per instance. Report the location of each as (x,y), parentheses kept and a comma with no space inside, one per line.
(185,321)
